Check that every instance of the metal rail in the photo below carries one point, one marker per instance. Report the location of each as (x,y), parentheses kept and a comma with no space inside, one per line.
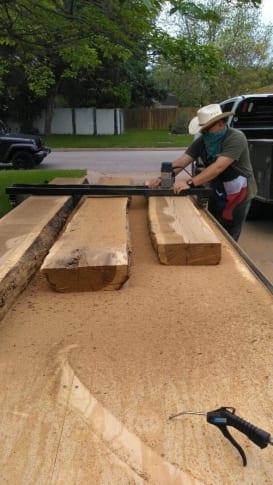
(249,262)
(118,190)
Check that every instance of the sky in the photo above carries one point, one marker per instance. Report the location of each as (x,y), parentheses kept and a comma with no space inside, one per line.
(265,15)
(267,11)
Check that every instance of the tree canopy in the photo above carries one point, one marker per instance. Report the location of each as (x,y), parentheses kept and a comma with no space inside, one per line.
(226,52)
(94,52)
(51,47)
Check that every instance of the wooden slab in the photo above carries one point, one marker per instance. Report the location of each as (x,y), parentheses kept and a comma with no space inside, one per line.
(93,252)
(179,233)
(26,234)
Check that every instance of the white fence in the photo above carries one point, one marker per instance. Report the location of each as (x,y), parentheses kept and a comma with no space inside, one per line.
(81,121)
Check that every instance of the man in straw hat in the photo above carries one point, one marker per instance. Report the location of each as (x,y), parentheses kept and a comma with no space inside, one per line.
(225,155)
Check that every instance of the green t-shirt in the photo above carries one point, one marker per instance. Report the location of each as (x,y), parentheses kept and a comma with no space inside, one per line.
(233,145)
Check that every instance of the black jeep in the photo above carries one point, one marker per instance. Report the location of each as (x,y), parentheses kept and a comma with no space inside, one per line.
(22,151)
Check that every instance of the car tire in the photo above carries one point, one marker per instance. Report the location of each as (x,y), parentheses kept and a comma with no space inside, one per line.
(23,160)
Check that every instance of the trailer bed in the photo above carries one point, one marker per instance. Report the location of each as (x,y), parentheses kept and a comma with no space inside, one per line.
(90,379)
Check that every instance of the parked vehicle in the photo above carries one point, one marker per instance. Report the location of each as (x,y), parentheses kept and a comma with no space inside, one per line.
(23,151)
(253,114)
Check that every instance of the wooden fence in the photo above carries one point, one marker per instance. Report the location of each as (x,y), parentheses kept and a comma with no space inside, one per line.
(154,118)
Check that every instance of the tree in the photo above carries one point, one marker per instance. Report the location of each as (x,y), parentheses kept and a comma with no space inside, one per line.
(49,45)
(98,48)
(230,48)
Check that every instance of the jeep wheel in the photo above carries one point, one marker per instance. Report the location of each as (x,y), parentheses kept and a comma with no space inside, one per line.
(23,160)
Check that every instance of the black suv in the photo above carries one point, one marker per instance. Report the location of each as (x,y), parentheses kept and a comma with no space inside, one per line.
(23,151)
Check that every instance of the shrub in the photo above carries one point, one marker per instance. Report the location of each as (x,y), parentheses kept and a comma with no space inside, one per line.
(181,124)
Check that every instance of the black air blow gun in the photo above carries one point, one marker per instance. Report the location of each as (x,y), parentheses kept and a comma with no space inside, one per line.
(225,416)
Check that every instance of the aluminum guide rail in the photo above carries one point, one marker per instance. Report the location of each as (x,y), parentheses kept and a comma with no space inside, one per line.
(85,189)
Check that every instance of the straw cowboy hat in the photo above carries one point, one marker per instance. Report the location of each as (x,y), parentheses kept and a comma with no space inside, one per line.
(207,116)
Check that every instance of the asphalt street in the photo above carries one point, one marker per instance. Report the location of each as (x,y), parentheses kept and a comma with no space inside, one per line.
(110,161)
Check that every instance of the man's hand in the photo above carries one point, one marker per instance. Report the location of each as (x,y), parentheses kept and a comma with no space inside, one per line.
(155,183)
(179,186)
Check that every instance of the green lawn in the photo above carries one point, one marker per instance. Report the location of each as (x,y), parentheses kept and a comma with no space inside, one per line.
(10,177)
(129,139)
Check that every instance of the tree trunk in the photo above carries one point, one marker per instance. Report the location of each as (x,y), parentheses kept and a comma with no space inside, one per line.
(50,109)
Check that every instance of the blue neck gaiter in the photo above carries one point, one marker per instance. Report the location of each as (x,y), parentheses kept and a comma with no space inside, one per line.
(212,143)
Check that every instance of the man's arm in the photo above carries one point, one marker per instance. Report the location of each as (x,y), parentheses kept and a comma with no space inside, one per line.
(181,162)
(209,173)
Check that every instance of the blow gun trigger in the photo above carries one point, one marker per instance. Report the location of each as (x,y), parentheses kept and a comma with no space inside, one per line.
(225,416)
(213,417)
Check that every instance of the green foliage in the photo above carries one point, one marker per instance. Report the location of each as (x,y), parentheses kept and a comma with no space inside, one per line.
(188,56)
(84,57)
(217,52)
(255,3)
(194,11)
(181,124)
(150,4)
(39,78)
(95,47)
(92,52)
(123,94)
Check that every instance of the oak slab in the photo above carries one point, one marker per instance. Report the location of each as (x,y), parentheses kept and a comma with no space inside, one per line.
(179,233)
(93,252)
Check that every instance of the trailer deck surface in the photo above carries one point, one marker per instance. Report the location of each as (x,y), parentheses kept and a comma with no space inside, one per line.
(89,379)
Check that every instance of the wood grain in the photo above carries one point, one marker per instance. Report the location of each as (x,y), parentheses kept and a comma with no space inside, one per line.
(93,252)
(179,233)
(26,235)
